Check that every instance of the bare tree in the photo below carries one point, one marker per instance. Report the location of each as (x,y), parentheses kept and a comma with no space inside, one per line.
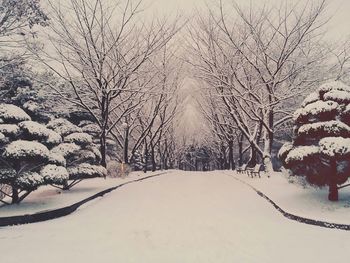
(155,118)
(257,60)
(98,49)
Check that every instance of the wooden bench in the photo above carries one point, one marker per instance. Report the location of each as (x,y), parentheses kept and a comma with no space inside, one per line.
(242,169)
(254,171)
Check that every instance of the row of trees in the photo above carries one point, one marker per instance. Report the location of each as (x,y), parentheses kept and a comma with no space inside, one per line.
(95,75)
(254,65)
(120,70)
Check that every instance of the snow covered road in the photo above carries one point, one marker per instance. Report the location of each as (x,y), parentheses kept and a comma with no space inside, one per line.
(180,217)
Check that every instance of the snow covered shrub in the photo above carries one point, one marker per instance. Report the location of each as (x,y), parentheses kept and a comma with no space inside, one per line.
(321,145)
(25,154)
(63,127)
(82,157)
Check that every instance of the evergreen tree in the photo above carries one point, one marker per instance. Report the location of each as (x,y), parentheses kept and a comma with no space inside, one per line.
(82,156)
(26,159)
(321,146)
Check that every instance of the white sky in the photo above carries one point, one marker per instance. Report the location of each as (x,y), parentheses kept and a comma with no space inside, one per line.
(338,27)
(191,124)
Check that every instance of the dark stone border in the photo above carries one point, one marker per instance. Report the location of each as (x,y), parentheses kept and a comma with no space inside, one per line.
(296,218)
(56,213)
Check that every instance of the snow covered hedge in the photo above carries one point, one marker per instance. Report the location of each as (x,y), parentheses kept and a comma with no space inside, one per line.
(25,149)
(34,154)
(321,145)
(82,156)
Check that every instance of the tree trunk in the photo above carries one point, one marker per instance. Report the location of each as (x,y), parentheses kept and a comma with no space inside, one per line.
(271,125)
(104,115)
(253,156)
(333,187)
(153,158)
(126,146)
(240,151)
(223,157)
(15,196)
(230,155)
(267,151)
(145,158)
(65,186)
(103,149)
(165,164)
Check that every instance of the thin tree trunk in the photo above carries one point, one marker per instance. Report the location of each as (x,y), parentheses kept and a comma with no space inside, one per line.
(145,158)
(333,187)
(15,196)
(240,150)
(230,155)
(153,158)
(253,156)
(103,138)
(267,149)
(103,149)
(126,146)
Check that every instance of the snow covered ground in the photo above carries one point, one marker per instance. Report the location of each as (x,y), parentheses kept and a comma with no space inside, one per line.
(298,198)
(49,198)
(178,217)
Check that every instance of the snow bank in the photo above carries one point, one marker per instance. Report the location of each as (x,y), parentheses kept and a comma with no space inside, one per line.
(296,196)
(48,198)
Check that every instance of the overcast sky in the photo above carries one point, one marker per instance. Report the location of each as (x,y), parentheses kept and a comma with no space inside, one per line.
(191,124)
(339,25)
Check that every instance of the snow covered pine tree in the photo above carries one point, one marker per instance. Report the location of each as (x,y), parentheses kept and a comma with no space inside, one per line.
(82,156)
(26,161)
(321,146)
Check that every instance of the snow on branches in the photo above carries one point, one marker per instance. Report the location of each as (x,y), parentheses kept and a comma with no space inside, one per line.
(22,150)
(12,114)
(335,146)
(78,150)
(79,138)
(63,127)
(321,145)
(316,110)
(34,154)
(54,174)
(86,170)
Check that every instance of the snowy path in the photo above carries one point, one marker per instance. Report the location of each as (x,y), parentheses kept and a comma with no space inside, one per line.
(180,217)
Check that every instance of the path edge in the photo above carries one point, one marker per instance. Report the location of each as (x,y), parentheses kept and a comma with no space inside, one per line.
(64,211)
(294,217)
